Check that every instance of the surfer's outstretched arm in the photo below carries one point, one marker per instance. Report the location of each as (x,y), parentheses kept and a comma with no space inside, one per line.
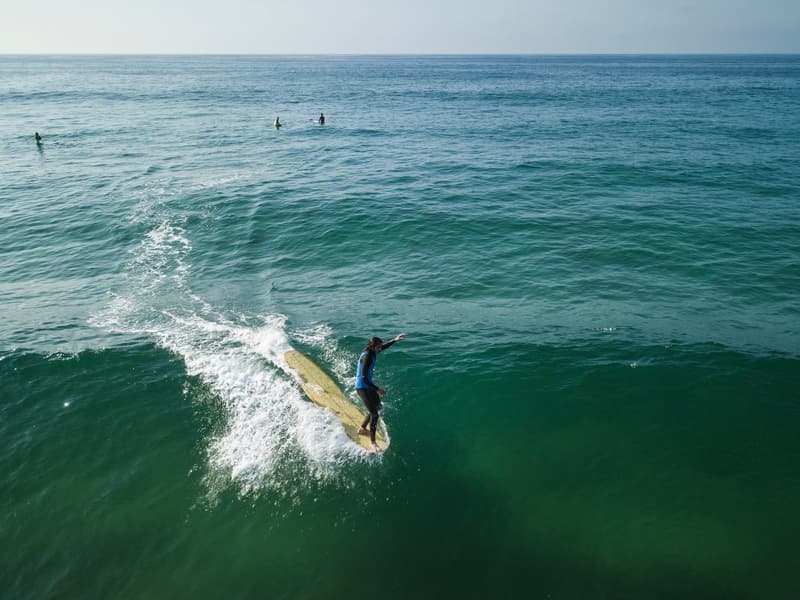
(392,341)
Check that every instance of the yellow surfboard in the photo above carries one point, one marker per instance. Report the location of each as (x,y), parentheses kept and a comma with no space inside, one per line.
(322,390)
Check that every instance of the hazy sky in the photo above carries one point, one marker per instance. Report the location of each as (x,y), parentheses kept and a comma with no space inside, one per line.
(412,26)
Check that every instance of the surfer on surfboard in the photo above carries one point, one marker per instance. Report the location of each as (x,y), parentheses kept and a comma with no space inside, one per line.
(367,390)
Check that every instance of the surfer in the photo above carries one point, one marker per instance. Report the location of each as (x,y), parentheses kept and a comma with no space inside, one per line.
(277,122)
(321,119)
(367,390)
(38,139)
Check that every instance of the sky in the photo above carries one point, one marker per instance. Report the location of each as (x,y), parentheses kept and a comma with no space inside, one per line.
(391,27)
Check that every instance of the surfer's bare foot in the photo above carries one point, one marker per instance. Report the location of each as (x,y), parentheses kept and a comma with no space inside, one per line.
(375,447)
(362,431)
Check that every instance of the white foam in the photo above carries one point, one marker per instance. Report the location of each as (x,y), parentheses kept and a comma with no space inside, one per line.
(271,437)
(219,181)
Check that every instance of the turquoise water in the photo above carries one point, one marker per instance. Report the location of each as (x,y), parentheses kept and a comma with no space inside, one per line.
(596,261)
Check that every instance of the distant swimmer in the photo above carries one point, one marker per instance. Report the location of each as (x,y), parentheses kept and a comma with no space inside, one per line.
(367,390)
(38,139)
(277,122)
(321,119)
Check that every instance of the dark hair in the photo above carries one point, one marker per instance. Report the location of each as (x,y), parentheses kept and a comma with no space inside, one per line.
(373,344)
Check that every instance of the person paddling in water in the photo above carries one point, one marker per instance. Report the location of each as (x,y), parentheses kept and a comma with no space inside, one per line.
(367,390)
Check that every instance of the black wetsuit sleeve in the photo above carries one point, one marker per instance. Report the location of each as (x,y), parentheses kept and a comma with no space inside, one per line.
(387,344)
(366,362)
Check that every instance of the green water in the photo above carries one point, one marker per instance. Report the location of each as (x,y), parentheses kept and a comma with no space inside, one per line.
(595,260)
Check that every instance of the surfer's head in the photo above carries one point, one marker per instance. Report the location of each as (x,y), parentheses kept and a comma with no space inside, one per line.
(374,345)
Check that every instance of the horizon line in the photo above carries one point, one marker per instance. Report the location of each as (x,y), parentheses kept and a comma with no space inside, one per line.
(420,54)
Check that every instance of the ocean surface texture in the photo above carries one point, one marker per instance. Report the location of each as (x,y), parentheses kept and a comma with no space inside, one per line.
(596,261)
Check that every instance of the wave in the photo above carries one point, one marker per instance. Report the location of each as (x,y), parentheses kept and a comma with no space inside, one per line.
(271,438)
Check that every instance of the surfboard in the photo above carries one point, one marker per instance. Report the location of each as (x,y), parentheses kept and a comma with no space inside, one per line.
(323,391)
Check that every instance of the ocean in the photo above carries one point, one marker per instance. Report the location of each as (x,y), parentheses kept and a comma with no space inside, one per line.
(596,261)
